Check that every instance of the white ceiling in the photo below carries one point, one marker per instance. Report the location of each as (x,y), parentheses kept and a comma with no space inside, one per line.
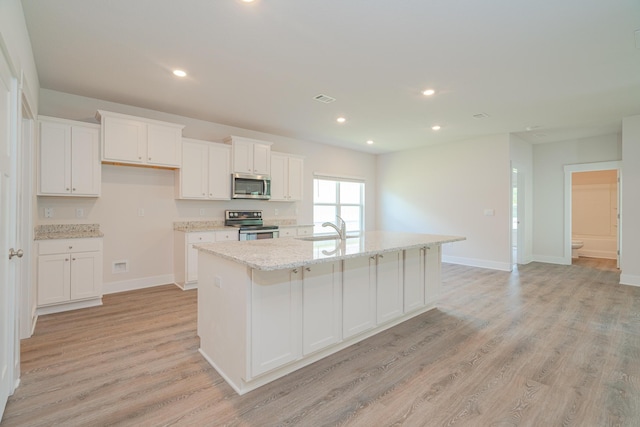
(569,67)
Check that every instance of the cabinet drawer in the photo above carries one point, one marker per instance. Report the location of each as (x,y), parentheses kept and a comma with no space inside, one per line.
(226,235)
(305,231)
(59,246)
(201,237)
(287,232)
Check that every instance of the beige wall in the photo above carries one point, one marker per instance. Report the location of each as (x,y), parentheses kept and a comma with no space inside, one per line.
(548,200)
(146,242)
(630,231)
(445,189)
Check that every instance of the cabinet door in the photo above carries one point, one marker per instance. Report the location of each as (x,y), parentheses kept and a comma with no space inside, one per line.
(389,286)
(86,170)
(192,253)
(54,275)
(164,145)
(276,319)
(279,177)
(242,156)
(194,170)
(86,275)
(261,159)
(414,283)
(432,274)
(322,306)
(295,178)
(55,158)
(358,296)
(219,172)
(124,140)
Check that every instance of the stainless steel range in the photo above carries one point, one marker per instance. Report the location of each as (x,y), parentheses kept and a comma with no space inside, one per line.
(250,224)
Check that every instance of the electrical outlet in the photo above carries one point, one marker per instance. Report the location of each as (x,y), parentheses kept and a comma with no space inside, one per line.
(48,212)
(79,213)
(276,212)
(201,212)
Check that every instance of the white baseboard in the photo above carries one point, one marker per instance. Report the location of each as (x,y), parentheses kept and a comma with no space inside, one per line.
(187,286)
(629,279)
(75,305)
(551,259)
(473,262)
(592,253)
(133,284)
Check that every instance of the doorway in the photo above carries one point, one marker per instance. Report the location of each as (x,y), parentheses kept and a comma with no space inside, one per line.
(517,224)
(598,224)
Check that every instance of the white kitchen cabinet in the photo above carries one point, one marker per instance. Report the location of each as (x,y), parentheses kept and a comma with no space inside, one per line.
(185,261)
(389,286)
(286,177)
(359,295)
(322,306)
(421,277)
(276,313)
(287,231)
(305,230)
(139,141)
(250,156)
(69,158)
(69,271)
(206,171)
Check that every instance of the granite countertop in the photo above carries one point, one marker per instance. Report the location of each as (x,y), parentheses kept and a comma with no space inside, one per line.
(67,231)
(189,226)
(278,254)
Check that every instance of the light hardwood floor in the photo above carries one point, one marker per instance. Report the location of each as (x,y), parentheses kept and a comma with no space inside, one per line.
(545,345)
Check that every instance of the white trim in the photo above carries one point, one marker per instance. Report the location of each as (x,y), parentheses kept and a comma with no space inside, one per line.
(133,284)
(332,176)
(58,308)
(629,279)
(474,262)
(568,171)
(551,259)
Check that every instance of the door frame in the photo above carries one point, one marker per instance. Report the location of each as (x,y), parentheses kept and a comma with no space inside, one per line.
(568,197)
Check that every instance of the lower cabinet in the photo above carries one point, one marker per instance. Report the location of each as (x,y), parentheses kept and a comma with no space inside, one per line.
(389,286)
(276,311)
(294,313)
(322,306)
(358,295)
(69,271)
(185,261)
(421,277)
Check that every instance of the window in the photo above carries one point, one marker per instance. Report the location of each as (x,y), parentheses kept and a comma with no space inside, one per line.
(338,196)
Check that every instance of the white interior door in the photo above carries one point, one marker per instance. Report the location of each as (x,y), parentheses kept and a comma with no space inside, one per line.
(7,230)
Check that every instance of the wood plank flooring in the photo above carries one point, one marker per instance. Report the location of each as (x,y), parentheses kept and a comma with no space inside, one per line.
(545,345)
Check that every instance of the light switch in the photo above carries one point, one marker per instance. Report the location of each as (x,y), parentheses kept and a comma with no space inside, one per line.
(79,213)
(140,212)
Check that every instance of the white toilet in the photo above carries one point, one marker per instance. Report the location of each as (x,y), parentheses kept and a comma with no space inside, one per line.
(575,245)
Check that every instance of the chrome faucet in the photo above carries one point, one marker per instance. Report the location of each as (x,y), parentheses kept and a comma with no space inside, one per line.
(341,228)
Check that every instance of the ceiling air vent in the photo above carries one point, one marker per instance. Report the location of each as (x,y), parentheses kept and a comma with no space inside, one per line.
(480,116)
(324,99)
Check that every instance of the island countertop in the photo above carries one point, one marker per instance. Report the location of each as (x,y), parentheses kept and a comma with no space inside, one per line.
(278,254)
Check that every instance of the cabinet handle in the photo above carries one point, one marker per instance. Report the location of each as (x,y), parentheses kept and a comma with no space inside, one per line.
(70,247)
(149,158)
(67,188)
(372,257)
(294,271)
(308,269)
(73,259)
(381,256)
(66,259)
(73,189)
(139,157)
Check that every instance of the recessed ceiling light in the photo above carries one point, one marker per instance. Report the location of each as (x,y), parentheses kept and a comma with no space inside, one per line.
(341,120)
(369,142)
(436,127)
(428,92)
(179,73)
(247,1)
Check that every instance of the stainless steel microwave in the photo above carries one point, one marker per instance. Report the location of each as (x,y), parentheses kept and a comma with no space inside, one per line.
(245,186)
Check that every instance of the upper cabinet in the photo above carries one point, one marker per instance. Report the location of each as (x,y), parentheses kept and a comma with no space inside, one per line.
(138,141)
(286,177)
(68,158)
(250,156)
(205,172)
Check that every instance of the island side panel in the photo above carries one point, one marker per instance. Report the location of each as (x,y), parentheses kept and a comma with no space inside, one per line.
(432,272)
(223,302)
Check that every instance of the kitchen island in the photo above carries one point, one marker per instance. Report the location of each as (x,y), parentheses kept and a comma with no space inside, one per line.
(269,307)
